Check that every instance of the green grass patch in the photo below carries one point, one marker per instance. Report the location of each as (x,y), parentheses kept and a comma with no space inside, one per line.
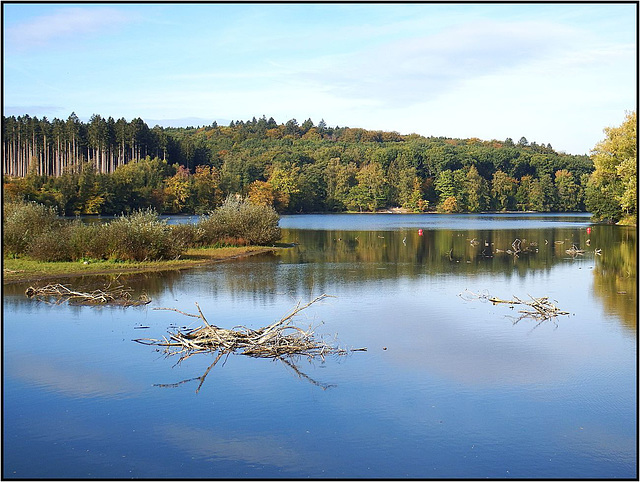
(25,268)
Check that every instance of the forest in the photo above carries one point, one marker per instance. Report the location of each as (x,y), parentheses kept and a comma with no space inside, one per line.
(107,166)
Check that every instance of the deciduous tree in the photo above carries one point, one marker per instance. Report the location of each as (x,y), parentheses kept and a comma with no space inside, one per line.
(612,187)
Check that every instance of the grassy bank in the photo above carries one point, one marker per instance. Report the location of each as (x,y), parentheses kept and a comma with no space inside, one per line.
(28,269)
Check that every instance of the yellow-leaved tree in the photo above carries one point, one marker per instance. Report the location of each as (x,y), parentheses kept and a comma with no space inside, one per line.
(611,193)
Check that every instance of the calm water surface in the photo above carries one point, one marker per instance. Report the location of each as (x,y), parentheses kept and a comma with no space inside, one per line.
(449,387)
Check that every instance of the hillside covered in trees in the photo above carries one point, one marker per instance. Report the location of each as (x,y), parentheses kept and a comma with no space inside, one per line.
(106,166)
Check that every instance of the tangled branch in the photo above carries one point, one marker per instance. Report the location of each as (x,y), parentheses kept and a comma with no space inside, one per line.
(543,308)
(113,295)
(281,340)
(274,340)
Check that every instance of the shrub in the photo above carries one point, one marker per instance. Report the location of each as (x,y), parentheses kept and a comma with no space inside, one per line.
(89,240)
(141,236)
(31,228)
(260,224)
(53,244)
(186,235)
(23,222)
(69,241)
(237,218)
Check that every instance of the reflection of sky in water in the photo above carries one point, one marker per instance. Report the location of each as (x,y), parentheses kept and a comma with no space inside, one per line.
(261,449)
(381,221)
(377,222)
(460,391)
(68,378)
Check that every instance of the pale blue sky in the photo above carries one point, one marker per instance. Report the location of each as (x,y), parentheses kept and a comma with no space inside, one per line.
(554,73)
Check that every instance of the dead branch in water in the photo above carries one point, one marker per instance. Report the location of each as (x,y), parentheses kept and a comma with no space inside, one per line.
(574,251)
(543,309)
(281,340)
(516,247)
(112,295)
(278,339)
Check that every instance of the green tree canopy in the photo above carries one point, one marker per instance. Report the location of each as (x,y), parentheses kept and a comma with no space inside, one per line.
(612,189)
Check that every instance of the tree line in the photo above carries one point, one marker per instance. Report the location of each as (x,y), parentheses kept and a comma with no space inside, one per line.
(106,166)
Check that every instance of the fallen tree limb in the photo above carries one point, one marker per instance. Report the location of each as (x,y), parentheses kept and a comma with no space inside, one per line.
(543,308)
(112,295)
(280,340)
(574,251)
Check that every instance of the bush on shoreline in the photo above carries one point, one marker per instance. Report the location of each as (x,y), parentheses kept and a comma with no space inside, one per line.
(141,236)
(23,222)
(237,218)
(37,231)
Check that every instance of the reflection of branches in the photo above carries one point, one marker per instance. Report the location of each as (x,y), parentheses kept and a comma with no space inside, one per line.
(201,378)
(173,385)
(293,366)
(516,320)
(288,362)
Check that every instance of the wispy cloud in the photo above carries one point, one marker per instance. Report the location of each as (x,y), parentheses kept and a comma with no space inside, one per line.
(411,68)
(420,68)
(66,23)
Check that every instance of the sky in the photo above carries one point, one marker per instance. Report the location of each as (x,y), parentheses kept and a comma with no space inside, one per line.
(553,73)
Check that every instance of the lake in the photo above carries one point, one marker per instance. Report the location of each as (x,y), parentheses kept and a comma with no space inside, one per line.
(451,385)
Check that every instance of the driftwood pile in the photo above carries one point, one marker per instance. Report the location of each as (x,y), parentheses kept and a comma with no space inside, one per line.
(542,308)
(574,251)
(111,295)
(280,340)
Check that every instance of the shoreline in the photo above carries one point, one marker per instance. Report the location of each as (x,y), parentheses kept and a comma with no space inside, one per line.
(194,258)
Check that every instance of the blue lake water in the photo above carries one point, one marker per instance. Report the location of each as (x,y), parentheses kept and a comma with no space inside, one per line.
(451,386)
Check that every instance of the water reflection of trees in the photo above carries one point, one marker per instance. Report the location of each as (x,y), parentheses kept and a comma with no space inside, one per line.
(615,273)
(324,258)
(437,251)
(320,260)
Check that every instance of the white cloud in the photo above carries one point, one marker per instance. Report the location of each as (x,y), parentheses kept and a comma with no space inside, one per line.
(421,68)
(71,22)
(441,71)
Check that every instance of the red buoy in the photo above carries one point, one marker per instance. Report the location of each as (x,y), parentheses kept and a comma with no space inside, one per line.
(588,230)
(419,232)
